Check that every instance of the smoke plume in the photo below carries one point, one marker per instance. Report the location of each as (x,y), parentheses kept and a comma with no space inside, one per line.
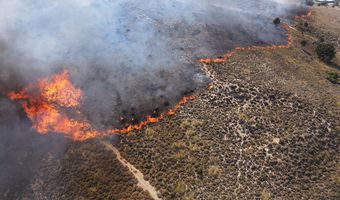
(130,57)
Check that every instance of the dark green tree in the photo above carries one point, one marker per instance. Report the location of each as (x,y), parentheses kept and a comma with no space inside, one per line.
(333,78)
(277,21)
(303,43)
(326,52)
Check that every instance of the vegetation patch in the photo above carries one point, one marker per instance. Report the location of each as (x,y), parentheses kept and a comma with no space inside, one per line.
(326,52)
(214,170)
(180,187)
(333,77)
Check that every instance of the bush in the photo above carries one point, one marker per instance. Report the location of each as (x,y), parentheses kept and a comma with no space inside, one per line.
(333,78)
(214,170)
(149,132)
(303,43)
(326,52)
(277,21)
(265,195)
(180,188)
(309,2)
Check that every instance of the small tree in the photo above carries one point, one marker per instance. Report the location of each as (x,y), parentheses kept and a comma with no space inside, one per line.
(333,78)
(277,21)
(180,188)
(326,52)
(309,2)
(214,170)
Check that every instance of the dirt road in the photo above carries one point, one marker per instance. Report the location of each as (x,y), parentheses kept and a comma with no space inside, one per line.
(145,185)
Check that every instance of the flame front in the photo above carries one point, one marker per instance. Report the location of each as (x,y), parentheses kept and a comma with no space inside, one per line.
(46,102)
(239,49)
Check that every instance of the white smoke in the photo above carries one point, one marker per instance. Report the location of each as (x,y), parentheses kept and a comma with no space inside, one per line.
(131,55)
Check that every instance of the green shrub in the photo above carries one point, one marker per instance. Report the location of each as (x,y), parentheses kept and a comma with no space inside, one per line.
(303,43)
(333,78)
(326,52)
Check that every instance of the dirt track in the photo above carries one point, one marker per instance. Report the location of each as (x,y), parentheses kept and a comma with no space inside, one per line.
(145,185)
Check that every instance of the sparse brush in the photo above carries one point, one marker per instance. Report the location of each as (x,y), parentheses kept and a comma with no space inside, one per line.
(333,77)
(214,170)
(180,187)
(326,52)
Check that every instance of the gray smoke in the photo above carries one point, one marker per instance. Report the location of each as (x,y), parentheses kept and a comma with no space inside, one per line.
(130,57)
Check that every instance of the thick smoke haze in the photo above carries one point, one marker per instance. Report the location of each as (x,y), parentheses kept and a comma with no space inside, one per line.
(130,57)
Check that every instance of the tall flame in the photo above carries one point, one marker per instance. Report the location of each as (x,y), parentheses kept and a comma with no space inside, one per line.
(46,101)
(44,104)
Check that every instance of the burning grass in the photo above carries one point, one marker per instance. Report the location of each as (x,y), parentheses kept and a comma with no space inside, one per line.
(240,49)
(48,104)
(45,104)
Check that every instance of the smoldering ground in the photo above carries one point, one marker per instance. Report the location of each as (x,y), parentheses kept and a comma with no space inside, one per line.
(131,58)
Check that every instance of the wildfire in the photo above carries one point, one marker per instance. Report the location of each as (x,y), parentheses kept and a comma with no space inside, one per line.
(308,14)
(59,89)
(239,49)
(46,101)
(150,119)
(44,104)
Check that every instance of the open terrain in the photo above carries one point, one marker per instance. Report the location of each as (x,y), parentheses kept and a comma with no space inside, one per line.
(267,127)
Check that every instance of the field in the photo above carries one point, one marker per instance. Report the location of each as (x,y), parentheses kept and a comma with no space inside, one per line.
(267,127)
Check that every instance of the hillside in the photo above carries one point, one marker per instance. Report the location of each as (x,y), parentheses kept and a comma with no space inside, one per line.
(267,127)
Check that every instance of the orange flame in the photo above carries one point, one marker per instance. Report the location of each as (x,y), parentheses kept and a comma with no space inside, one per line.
(239,49)
(59,89)
(150,119)
(308,14)
(45,102)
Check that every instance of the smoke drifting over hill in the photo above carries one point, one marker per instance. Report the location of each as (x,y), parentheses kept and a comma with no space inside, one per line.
(131,57)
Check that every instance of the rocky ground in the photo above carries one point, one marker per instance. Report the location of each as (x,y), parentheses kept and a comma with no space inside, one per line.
(266,128)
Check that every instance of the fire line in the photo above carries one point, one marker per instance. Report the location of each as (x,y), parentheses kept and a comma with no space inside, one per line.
(240,49)
(45,101)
